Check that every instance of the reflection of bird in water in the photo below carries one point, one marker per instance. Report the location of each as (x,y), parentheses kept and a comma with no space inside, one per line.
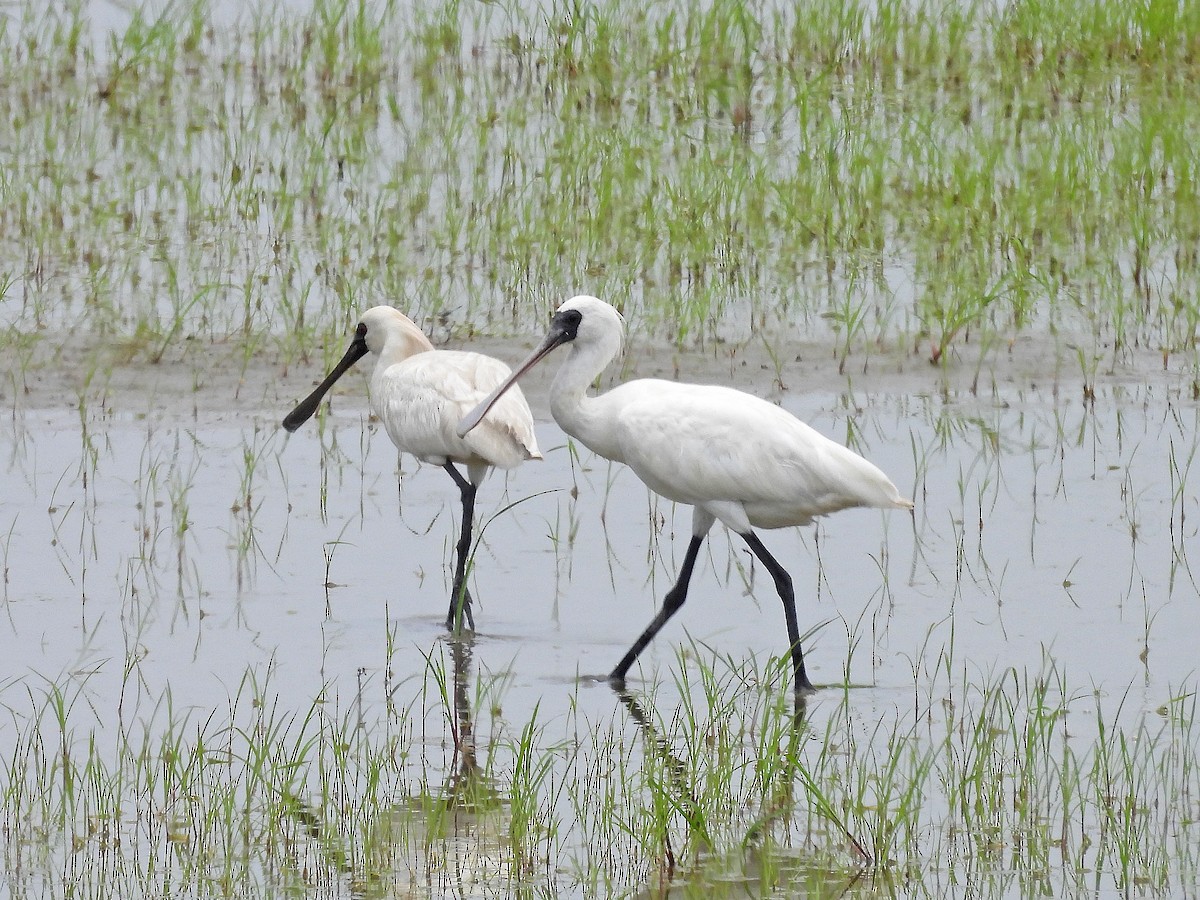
(468,785)
(732,456)
(454,841)
(678,779)
(754,865)
(420,394)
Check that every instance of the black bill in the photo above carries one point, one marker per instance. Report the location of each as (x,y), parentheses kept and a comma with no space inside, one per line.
(306,407)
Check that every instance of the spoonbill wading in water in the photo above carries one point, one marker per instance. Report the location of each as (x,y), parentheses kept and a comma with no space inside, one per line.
(730,455)
(420,394)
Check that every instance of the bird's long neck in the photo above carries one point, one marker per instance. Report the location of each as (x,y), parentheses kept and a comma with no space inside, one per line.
(584,418)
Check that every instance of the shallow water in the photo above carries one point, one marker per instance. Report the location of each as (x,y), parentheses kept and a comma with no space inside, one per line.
(1043,527)
(1048,532)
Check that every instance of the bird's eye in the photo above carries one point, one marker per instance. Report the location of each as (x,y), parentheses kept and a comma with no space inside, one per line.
(568,321)
(361,331)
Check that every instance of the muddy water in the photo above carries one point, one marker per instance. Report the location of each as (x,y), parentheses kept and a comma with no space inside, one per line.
(165,542)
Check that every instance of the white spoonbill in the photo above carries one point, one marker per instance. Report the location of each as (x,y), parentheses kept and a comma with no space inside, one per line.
(730,455)
(420,394)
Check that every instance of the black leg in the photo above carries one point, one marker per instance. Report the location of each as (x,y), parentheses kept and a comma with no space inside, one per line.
(783,584)
(460,597)
(671,603)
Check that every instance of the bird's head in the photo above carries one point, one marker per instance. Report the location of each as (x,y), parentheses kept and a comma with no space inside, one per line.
(379,326)
(586,321)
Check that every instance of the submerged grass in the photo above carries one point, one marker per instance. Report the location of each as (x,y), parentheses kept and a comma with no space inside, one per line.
(1019,784)
(929,176)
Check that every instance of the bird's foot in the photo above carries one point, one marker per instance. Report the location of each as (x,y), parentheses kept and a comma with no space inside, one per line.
(616,678)
(460,611)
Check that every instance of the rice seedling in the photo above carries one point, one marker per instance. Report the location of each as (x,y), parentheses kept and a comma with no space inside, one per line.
(8,539)
(245,533)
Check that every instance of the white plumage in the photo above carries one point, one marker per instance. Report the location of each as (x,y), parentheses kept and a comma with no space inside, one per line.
(732,456)
(723,444)
(420,394)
